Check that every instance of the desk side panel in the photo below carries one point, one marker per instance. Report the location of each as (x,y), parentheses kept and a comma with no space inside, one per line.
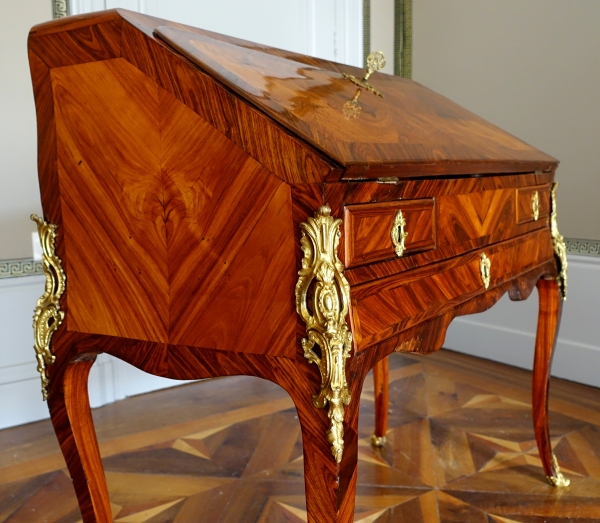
(174,234)
(230,240)
(112,34)
(108,144)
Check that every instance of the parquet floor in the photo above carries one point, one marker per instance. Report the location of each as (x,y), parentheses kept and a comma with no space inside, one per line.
(460,450)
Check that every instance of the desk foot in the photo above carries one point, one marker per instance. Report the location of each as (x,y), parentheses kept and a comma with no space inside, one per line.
(547,331)
(558,480)
(72,420)
(378,441)
(381,391)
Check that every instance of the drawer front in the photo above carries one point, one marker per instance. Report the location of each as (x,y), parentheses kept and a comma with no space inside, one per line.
(379,231)
(459,219)
(533,203)
(383,308)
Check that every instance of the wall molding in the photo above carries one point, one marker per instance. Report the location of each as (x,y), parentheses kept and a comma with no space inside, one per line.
(20,267)
(402,36)
(583,247)
(60,8)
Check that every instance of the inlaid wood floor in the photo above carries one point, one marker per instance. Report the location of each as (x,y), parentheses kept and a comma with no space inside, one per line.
(460,449)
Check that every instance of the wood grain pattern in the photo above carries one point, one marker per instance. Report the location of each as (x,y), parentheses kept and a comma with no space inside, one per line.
(158,183)
(382,308)
(270,144)
(547,333)
(402,131)
(109,173)
(524,197)
(44,105)
(367,229)
(79,40)
(74,427)
(179,200)
(469,214)
(381,404)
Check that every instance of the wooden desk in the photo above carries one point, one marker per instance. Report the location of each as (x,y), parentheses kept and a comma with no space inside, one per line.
(216,207)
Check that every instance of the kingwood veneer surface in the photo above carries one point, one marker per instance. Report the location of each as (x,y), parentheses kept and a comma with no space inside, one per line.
(219,207)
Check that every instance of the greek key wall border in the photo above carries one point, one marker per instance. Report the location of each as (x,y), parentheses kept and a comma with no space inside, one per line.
(582,247)
(60,8)
(20,267)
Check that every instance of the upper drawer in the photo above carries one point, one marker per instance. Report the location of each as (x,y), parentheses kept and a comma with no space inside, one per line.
(533,203)
(378,231)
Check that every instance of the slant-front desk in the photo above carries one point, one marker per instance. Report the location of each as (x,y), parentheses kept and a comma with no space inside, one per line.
(216,207)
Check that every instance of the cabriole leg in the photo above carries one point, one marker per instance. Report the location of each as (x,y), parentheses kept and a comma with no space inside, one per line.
(547,332)
(381,391)
(72,420)
(330,486)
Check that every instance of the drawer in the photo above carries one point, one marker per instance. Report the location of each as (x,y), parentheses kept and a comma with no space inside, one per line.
(386,307)
(533,203)
(373,231)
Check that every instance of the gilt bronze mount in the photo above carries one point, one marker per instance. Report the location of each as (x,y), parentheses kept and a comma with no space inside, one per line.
(398,233)
(322,298)
(535,205)
(375,62)
(560,249)
(485,265)
(559,480)
(48,316)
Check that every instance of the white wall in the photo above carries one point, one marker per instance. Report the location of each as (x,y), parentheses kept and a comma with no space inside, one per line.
(19,193)
(532,68)
(330,29)
(382,31)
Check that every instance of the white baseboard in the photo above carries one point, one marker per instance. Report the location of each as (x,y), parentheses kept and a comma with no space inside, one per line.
(506,332)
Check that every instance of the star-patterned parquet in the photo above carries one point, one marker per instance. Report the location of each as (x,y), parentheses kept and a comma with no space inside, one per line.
(460,448)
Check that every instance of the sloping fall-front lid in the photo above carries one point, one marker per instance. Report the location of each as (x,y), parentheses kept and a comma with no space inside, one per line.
(409,131)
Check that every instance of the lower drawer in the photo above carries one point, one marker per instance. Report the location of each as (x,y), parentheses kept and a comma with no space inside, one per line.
(385,307)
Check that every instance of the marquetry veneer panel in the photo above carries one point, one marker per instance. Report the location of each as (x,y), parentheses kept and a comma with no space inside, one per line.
(524,203)
(467,214)
(143,204)
(383,308)
(368,229)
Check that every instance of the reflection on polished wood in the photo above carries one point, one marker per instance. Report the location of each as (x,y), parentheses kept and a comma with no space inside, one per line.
(181,167)
(385,137)
(460,449)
